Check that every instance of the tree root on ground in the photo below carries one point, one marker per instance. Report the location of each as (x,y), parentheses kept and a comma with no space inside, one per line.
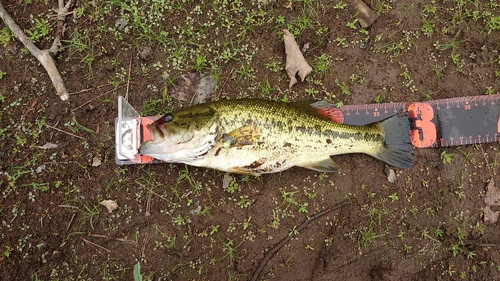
(285,240)
(43,56)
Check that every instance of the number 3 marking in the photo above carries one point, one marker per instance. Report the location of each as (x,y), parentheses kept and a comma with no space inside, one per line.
(424,134)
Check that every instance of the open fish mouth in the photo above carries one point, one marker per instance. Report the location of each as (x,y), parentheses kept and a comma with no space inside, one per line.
(181,148)
(155,131)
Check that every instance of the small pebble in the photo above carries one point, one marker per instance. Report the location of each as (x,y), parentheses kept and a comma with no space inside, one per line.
(391,175)
(121,24)
(96,161)
(40,169)
(226,180)
(146,53)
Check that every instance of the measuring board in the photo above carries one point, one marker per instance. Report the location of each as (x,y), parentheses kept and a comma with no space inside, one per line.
(436,123)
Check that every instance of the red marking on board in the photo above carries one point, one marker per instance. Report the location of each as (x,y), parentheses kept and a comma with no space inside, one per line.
(467,106)
(424,134)
(145,137)
(332,113)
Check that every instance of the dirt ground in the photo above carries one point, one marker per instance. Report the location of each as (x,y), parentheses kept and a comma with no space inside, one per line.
(182,223)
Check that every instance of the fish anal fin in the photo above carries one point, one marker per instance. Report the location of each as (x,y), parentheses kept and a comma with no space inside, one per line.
(246,135)
(325,165)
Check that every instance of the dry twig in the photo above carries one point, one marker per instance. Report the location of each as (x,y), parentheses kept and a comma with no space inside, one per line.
(112,238)
(94,98)
(224,84)
(285,240)
(96,245)
(62,12)
(43,56)
(68,133)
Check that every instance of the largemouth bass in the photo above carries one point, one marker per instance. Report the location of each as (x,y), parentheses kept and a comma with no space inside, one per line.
(253,136)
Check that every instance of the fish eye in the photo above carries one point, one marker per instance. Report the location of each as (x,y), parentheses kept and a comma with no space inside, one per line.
(168,117)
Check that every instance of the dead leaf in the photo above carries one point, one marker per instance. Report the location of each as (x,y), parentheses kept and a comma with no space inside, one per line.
(491,210)
(96,161)
(11,47)
(365,15)
(226,181)
(295,61)
(194,87)
(121,24)
(391,175)
(40,169)
(146,53)
(47,145)
(111,205)
(205,88)
(305,48)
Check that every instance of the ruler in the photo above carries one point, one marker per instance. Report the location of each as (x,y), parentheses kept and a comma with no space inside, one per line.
(436,123)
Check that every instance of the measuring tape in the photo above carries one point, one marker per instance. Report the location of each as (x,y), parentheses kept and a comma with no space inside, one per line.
(437,123)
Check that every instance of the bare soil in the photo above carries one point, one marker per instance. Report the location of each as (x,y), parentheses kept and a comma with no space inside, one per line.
(180,223)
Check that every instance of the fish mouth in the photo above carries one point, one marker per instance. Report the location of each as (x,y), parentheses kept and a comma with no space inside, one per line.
(155,132)
(157,136)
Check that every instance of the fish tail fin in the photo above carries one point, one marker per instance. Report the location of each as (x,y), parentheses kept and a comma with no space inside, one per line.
(397,148)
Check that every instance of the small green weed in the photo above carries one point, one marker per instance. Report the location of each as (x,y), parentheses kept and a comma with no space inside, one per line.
(321,64)
(344,89)
(367,237)
(185,174)
(447,158)
(77,127)
(40,28)
(274,66)
(137,272)
(311,92)
(340,5)
(90,214)
(234,187)
(200,63)
(493,23)
(379,98)
(427,27)
(245,72)
(300,24)
(265,88)
(5,36)
(138,275)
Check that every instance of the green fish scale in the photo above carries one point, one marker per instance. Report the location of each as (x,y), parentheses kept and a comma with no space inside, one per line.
(294,123)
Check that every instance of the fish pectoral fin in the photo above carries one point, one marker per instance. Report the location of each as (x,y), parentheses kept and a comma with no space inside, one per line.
(246,135)
(241,171)
(325,165)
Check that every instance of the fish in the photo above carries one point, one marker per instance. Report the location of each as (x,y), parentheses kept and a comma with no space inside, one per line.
(258,136)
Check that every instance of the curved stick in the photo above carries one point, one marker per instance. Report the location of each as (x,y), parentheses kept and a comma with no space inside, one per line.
(42,56)
(301,227)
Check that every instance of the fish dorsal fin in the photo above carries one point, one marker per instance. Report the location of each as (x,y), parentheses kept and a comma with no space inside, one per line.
(325,165)
(323,109)
(245,135)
